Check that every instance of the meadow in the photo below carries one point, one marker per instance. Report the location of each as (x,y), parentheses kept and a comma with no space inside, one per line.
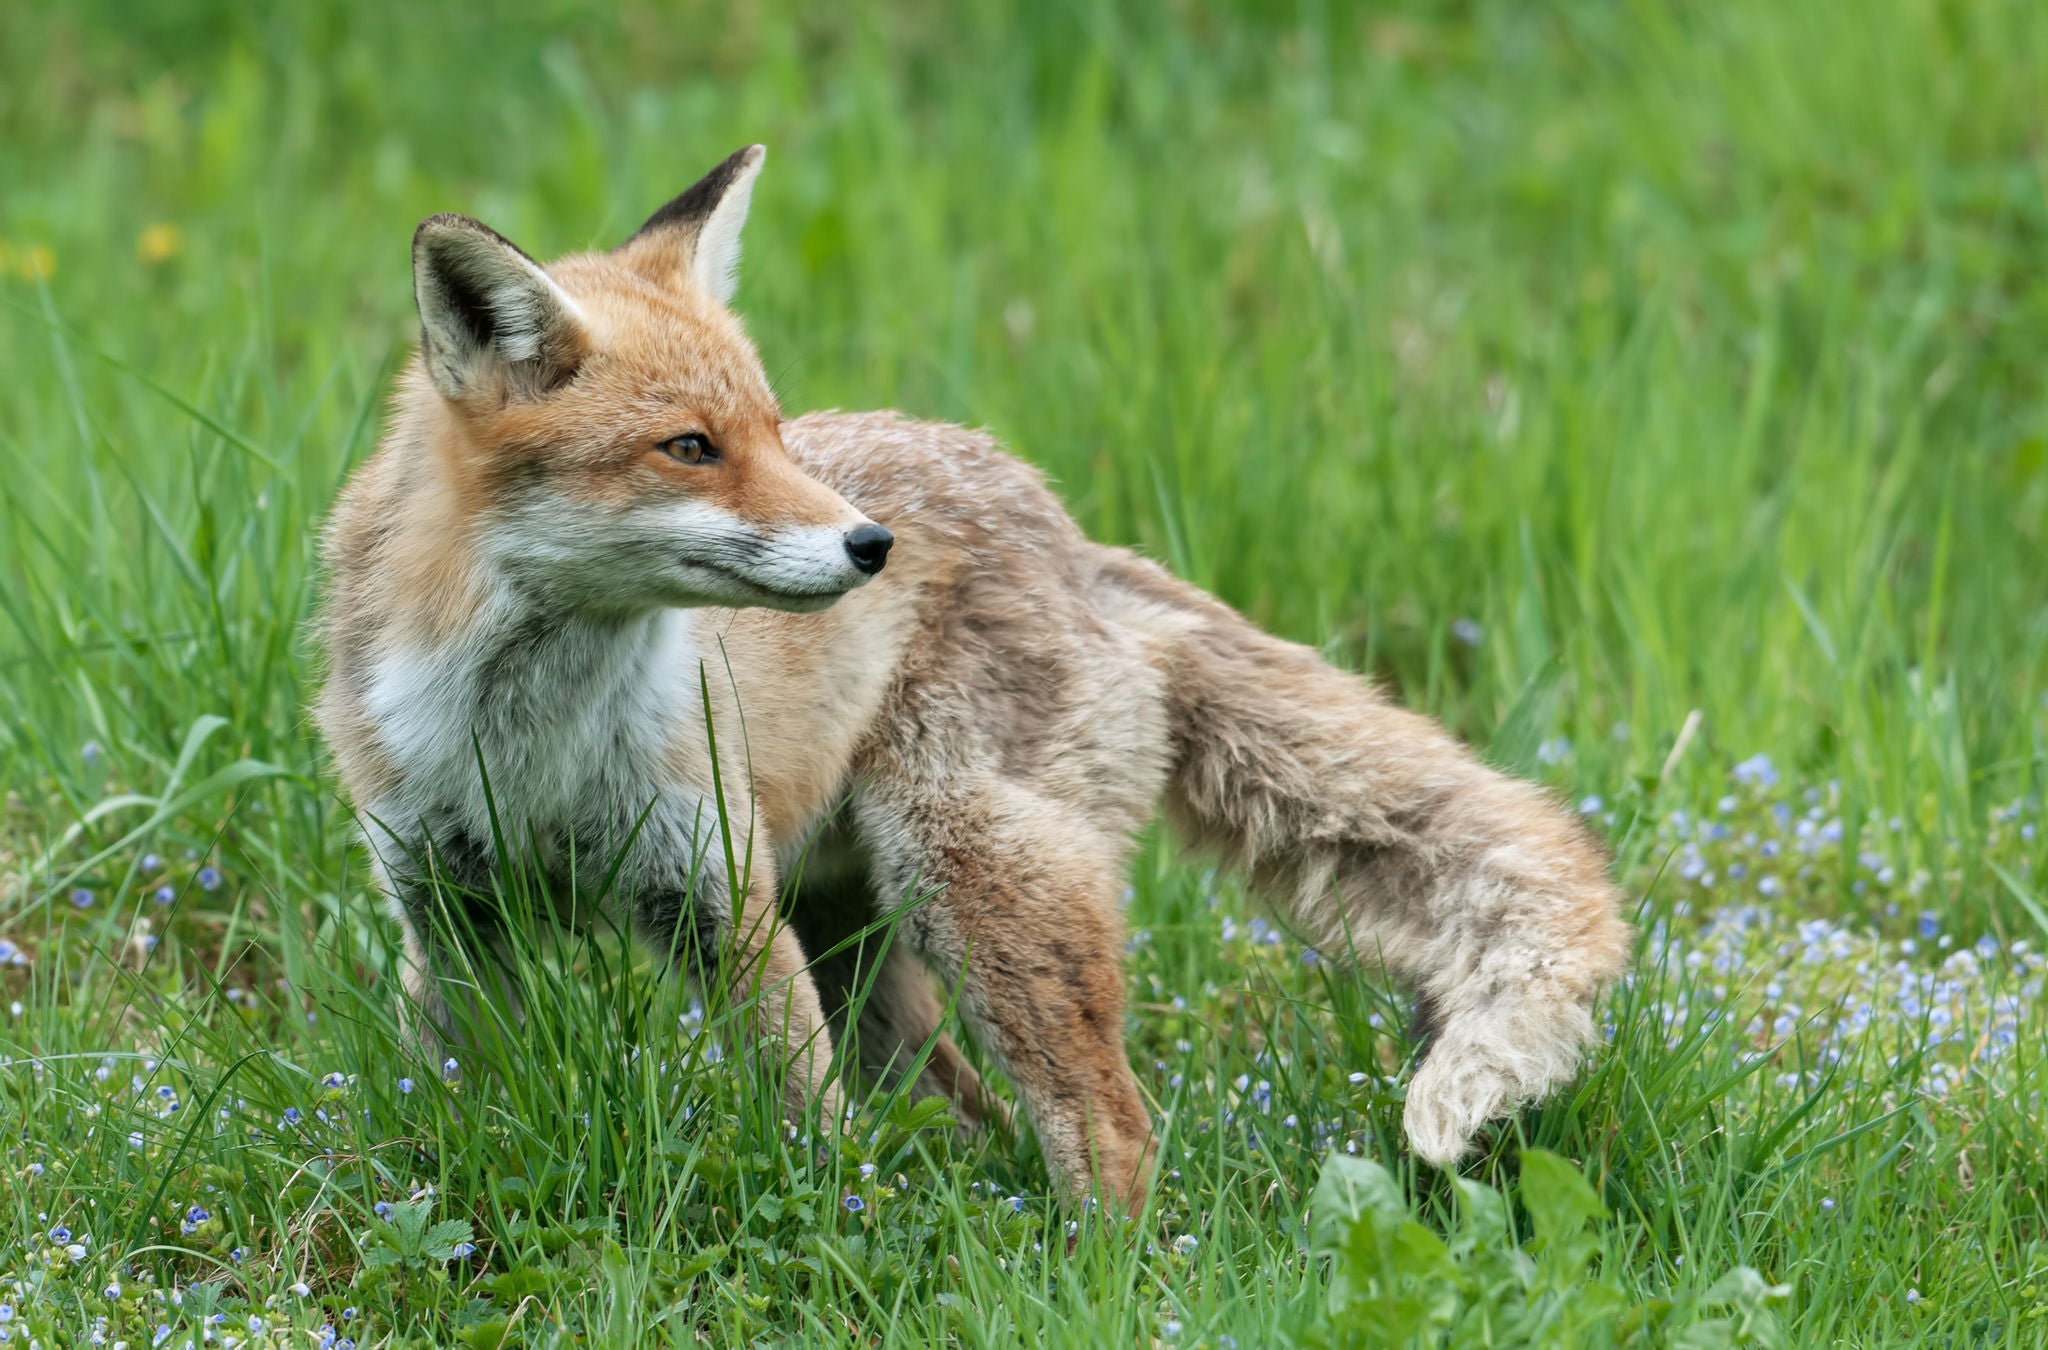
(1652,391)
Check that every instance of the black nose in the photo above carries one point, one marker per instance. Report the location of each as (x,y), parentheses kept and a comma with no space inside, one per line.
(868,546)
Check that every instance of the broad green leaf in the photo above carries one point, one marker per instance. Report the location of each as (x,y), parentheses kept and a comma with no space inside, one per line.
(1560,1202)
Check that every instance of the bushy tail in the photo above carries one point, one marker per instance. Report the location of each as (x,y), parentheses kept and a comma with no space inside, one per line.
(1386,841)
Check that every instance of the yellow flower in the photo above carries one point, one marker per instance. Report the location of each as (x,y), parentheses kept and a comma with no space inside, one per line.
(159,243)
(37,260)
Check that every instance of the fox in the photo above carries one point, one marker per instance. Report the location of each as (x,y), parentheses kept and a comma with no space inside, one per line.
(589,547)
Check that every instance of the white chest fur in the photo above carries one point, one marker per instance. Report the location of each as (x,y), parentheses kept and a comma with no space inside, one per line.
(572,719)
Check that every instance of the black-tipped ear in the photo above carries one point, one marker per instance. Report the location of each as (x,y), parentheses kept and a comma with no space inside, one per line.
(488,313)
(695,239)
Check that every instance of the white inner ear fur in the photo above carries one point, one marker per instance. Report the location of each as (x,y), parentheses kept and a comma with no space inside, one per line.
(716,263)
(526,306)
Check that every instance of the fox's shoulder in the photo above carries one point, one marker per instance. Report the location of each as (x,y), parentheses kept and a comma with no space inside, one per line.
(927,476)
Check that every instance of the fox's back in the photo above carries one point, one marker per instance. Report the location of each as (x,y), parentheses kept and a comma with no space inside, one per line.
(993,628)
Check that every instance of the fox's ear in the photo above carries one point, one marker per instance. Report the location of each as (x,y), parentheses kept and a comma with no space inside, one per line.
(489,313)
(695,239)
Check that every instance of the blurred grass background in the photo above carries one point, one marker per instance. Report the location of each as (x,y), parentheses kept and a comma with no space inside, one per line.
(1570,367)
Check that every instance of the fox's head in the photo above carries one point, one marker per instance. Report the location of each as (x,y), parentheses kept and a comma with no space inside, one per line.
(609,426)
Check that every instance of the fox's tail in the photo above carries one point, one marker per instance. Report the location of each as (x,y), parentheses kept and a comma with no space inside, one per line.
(1386,841)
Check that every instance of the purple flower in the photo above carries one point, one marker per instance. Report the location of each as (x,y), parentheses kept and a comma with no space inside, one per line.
(82,897)
(854,1204)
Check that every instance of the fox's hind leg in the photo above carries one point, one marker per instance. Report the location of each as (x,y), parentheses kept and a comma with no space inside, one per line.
(898,1014)
(727,931)
(878,996)
(1026,920)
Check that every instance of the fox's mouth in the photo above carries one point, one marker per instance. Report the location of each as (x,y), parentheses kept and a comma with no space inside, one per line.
(773,597)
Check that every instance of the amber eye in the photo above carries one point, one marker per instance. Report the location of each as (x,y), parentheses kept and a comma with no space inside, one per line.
(691,448)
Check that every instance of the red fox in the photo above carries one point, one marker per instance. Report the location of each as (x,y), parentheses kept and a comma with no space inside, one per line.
(587,495)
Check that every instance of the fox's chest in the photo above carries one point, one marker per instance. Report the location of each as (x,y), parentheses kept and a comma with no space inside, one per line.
(534,730)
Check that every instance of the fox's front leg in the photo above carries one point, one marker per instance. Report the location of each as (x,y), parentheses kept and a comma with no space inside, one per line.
(1026,921)
(684,905)
(455,960)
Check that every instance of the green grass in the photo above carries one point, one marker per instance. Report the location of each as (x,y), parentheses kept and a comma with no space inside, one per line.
(1572,368)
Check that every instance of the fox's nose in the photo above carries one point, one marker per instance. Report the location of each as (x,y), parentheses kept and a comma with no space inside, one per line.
(868,546)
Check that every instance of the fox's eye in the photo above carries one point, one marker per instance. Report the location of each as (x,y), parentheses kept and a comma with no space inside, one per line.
(691,449)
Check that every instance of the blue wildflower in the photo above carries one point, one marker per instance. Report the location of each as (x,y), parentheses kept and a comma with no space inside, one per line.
(1757,771)
(406,1085)
(165,894)
(854,1204)
(82,897)
(209,878)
